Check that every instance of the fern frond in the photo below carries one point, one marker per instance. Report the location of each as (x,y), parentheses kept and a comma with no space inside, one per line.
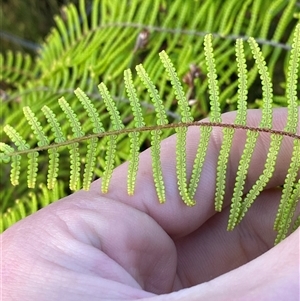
(85,47)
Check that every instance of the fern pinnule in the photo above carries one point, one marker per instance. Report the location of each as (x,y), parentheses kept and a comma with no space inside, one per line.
(266,122)
(243,168)
(74,147)
(16,138)
(241,116)
(53,167)
(183,104)
(53,153)
(90,162)
(264,178)
(292,83)
(36,127)
(215,115)
(155,134)
(213,89)
(90,159)
(112,140)
(15,169)
(134,137)
(91,111)
(133,99)
(228,132)
(42,141)
(54,125)
(293,171)
(116,121)
(32,169)
(296,223)
(74,166)
(199,160)
(288,213)
(16,159)
(181,166)
(181,132)
(291,124)
(72,118)
(4,151)
(154,95)
(267,89)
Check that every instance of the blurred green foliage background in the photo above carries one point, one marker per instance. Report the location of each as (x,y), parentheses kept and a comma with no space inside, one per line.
(24,23)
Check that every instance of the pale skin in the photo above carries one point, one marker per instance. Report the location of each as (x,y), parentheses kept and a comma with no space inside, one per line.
(90,246)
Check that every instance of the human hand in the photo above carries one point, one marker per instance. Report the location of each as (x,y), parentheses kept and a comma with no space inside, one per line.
(90,246)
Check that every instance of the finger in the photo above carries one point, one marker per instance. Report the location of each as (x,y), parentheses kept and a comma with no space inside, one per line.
(174,216)
(108,249)
(272,276)
(211,251)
